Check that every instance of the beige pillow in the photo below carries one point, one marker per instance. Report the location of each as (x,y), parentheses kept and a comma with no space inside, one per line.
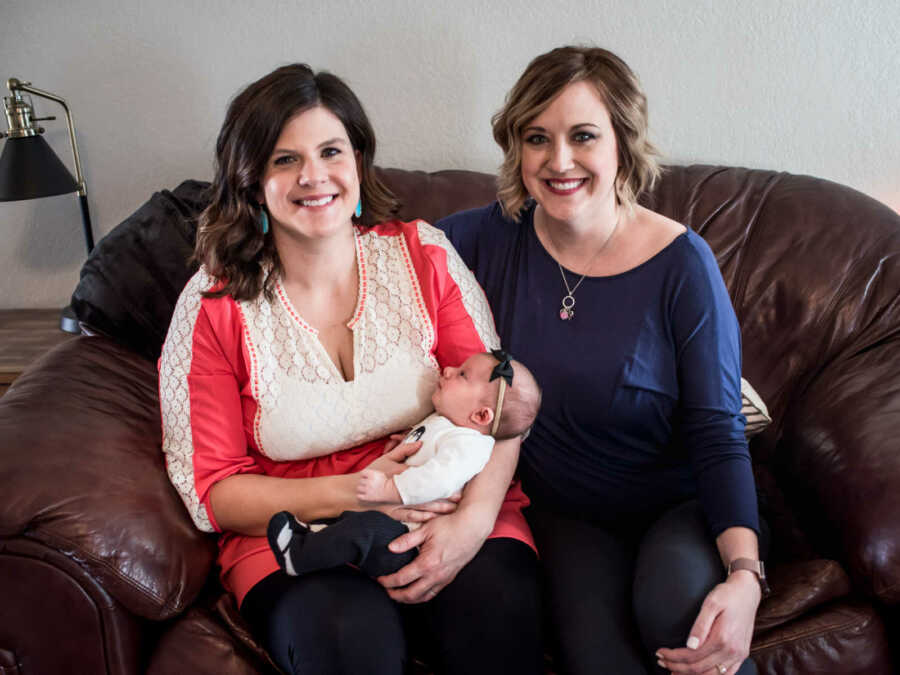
(754,409)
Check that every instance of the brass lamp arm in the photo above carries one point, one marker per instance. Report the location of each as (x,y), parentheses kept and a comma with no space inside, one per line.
(16,86)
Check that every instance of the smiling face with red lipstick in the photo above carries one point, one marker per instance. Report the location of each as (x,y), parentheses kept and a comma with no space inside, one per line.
(310,184)
(570,158)
(294,154)
(559,92)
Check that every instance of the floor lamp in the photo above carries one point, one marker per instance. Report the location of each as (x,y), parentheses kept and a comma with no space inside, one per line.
(29,168)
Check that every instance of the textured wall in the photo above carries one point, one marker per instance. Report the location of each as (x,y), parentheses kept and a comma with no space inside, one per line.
(808,87)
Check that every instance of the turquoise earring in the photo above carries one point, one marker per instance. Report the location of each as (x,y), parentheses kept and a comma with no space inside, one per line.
(358,211)
(263,220)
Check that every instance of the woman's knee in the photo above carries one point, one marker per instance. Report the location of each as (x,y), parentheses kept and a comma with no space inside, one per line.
(331,622)
(677,565)
(488,619)
(353,609)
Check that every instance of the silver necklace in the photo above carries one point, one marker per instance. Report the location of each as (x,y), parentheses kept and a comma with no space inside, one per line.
(567,310)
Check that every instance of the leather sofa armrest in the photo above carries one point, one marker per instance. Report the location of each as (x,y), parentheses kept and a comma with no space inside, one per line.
(83,472)
(841,469)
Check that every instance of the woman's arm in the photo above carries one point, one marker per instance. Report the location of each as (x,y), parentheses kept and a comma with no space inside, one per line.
(486,492)
(244,503)
(708,337)
(447,544)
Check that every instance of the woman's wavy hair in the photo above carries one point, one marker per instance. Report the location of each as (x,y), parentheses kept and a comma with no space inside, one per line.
(544,78)
(230,242)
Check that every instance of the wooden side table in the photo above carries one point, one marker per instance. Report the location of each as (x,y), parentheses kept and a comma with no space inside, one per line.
(25,334)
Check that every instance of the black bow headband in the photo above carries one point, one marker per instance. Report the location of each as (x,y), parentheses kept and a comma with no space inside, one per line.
(503,369)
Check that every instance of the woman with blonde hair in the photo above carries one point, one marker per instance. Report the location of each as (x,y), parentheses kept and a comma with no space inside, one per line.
(643,501)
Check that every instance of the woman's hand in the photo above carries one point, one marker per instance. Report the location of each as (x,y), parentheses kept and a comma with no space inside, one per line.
(395,440)
(417,513)
(391,462)
(446,545)
(722,632)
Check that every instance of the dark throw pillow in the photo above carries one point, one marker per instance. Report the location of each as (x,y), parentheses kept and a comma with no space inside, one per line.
(131,280)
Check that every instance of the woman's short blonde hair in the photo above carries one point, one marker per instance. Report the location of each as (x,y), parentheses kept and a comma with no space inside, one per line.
(543,79)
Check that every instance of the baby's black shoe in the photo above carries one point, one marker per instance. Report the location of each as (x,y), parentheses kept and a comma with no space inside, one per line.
(284,532)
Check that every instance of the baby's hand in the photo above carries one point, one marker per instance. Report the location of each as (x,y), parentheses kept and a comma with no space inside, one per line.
(375,486)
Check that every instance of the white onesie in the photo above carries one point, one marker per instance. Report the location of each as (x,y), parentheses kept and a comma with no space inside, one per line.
(449,457)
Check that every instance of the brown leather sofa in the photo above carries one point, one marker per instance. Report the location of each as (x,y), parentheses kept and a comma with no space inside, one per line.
(101,570)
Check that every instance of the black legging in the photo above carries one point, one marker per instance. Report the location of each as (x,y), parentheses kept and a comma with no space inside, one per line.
(339,621)
(613,598)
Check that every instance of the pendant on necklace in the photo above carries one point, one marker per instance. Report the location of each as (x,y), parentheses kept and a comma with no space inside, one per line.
(567,311)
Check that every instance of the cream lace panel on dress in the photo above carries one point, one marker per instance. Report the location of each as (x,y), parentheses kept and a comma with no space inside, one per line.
(306,409)
(174,397)
(474,299)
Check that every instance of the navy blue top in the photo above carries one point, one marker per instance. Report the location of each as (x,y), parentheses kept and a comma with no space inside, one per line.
(641,406)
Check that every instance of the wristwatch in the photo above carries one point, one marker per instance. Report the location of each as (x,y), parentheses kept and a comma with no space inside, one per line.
(756,566)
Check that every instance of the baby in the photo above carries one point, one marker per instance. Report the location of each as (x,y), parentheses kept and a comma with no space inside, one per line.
(490,396)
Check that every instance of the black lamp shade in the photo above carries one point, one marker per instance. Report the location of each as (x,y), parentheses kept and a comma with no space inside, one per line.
(30,169)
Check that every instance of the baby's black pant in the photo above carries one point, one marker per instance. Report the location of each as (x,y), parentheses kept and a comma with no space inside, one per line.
(359,538)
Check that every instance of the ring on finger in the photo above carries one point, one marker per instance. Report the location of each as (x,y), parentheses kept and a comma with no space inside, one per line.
(721,668)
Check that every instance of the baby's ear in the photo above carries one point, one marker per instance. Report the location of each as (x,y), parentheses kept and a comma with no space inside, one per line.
(482,416)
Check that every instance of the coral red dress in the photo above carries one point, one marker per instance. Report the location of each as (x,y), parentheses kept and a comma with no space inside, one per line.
(246,387)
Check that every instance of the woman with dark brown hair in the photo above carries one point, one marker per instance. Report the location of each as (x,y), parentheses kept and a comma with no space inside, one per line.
(643,502)
(316,327)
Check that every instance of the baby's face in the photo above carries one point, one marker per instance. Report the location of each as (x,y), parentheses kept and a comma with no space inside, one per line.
(461,391)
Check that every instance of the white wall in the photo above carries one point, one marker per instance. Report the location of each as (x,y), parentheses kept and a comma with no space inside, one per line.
(808,87)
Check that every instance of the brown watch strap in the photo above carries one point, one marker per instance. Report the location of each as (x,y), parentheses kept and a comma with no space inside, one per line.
(751,565)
